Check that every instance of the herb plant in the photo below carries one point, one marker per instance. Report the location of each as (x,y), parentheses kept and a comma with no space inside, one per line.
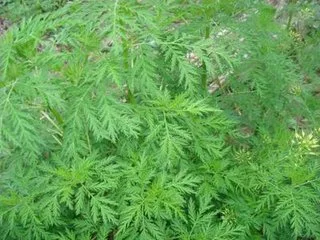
(171,119)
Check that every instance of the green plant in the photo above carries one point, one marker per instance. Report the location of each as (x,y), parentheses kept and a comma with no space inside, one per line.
(158,120)
(17,9)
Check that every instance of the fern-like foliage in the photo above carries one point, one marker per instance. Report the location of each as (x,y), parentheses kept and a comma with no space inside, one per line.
(157,120)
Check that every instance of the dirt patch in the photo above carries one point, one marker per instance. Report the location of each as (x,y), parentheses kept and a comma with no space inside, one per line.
(278,4)
(4,25)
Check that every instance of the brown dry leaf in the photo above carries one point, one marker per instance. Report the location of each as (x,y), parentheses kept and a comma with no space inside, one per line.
(218,83)
(194,59)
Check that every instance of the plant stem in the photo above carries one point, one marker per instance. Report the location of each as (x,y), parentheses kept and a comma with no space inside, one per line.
(290,4)
(130,96)
(289,20)
(204,68)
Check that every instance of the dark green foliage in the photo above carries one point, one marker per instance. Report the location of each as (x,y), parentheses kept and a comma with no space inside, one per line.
(158,120)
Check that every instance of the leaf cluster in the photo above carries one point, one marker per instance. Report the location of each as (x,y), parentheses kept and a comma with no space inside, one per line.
(158,120)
